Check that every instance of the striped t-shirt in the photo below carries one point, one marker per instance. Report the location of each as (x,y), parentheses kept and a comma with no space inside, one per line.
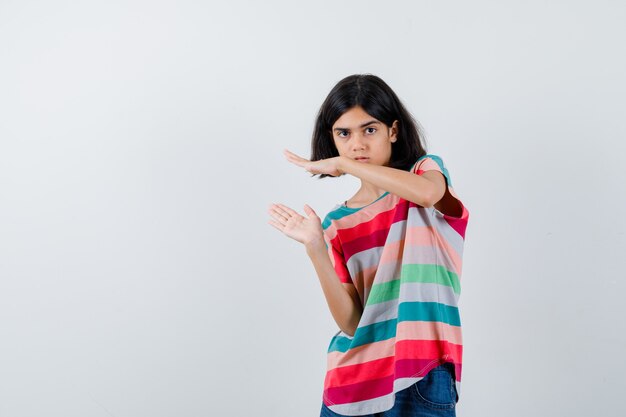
(405,262)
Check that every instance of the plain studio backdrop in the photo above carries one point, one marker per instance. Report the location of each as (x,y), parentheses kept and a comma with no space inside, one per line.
(141,146)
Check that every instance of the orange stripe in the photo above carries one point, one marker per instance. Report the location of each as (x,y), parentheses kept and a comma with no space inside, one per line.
(361,354)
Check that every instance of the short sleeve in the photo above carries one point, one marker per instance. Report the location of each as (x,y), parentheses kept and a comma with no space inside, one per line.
(337,259)
(431,162)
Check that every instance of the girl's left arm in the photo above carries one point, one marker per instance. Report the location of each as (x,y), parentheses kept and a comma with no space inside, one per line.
(425,190)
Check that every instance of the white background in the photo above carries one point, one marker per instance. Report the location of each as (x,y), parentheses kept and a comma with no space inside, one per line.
(140,147)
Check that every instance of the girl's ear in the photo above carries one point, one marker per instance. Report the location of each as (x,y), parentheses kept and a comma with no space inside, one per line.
(394,131)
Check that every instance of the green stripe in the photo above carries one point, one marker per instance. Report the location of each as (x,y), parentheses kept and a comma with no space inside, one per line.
(384,292)
(429,274)
(413,311)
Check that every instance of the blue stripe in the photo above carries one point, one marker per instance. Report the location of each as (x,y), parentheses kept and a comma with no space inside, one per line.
(407,311)
(333,215)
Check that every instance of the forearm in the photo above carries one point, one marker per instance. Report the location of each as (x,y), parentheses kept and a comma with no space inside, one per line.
(402,183)
(345,309)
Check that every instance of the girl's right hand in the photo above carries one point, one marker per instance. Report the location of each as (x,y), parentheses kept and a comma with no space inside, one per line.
(306,230)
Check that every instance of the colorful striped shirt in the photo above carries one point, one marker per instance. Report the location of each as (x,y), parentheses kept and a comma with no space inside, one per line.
(405,262)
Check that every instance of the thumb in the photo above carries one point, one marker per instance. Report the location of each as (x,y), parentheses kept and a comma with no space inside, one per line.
(309,211)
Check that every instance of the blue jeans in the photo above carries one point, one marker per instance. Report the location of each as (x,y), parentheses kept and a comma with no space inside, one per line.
(433,396)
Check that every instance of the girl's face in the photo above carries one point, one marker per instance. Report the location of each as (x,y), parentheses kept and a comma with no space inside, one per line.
(361,137)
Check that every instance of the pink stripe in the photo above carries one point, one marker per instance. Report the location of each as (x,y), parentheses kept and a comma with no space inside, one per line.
(406,330)
(380,221)
(427,350)
(367,390)
(427,164)
(415,368)
(359,392)
(457,371)
(348,375)
(370,239)
(459,224)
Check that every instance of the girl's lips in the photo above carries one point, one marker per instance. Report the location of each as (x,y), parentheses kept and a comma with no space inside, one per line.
(361,159)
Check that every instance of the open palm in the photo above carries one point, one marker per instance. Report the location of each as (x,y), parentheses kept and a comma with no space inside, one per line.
(305,230)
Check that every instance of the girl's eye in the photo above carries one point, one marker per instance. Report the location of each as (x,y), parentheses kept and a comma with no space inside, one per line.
(370,130)
(342,133)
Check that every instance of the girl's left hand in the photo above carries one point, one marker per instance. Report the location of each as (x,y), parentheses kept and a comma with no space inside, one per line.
(328,166)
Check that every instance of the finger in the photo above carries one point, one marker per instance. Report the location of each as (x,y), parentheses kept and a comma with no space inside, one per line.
(279,218)
(287,210)
(276,225)
(309,211)
(294,161)
(300,159)
(278,213)
(292,157)
(279,207)
(287,152)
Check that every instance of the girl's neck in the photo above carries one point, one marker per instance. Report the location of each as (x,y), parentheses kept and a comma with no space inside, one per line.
(368,192)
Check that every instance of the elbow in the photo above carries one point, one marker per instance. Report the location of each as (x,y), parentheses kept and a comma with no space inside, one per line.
(432,198)
(425,200)
(349,331)
(427,204)
(425,197)
(352,324)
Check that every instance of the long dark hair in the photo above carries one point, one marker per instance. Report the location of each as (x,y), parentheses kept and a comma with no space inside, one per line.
(379,101)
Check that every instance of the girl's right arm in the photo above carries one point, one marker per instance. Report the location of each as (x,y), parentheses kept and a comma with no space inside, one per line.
(342,299)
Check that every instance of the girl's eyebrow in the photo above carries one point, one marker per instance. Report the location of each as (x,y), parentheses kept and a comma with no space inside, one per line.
(363,125)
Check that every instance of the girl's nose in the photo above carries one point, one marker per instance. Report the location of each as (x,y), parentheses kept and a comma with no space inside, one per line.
(358,143)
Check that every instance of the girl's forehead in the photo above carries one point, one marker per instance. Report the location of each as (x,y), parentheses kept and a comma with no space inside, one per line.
(354,117)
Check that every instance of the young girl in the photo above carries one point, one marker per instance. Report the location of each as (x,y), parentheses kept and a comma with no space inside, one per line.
(388,259)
